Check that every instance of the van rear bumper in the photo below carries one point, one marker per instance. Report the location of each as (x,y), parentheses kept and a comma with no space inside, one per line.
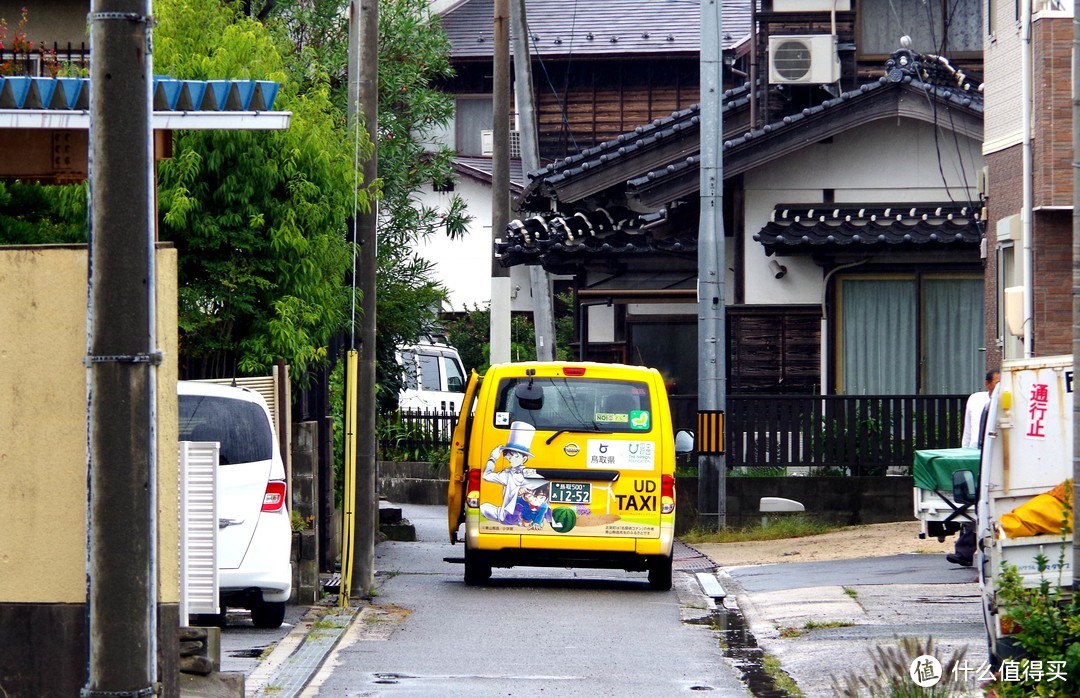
(631,562)
(631,554)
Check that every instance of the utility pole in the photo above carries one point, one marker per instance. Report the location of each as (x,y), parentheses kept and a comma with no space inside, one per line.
(712,363)
(543,313)
(122,357)
(1076,297)
(500,182)
(364,105)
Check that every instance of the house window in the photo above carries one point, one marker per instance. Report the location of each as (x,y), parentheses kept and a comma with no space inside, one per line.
(903,334)
(669,347)
(473,116)
(883,22)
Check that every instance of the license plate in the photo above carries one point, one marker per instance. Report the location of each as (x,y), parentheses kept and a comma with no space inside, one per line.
(571,492)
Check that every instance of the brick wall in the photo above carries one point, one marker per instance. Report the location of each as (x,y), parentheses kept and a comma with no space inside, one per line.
(1052,253)
(1052,112)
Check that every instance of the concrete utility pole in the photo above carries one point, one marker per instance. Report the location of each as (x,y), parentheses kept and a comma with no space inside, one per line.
(364,104)
(1076,296)
(543,313)
(500,182)
(712,363)
(122,356)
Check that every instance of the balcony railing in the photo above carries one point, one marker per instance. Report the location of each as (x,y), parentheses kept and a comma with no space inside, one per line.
(45,61)
(856,435)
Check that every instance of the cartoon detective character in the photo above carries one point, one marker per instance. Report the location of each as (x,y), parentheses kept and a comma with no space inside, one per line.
(512,478)
(532,506)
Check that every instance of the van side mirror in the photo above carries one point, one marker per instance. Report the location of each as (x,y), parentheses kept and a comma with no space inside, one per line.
(963,487)
(529,395)
(684,441)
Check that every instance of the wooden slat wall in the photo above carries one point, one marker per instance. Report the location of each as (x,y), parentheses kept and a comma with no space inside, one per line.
(602,101)
(774,352)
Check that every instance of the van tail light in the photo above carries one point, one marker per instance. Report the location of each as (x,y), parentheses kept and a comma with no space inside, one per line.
(574,370)
(472,489)
(667,494)
(274,498)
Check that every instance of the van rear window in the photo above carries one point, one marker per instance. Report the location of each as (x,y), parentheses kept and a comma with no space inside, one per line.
(240,426)
(579,403)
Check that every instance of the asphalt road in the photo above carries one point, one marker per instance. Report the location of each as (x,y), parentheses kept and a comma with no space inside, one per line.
(530,631)
(600,632)
(826,620)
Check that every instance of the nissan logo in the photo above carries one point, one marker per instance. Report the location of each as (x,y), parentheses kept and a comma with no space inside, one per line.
(571,449)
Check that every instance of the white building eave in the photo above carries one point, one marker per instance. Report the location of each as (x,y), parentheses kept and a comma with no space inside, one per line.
(162,120)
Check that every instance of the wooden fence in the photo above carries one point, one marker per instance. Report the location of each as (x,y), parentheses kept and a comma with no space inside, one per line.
(863,435)
(859,435)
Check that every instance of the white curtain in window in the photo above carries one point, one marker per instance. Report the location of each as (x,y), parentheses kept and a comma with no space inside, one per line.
(878,337)
(953,344)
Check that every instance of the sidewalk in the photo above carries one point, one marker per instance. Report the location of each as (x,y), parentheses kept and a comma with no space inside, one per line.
(295,659)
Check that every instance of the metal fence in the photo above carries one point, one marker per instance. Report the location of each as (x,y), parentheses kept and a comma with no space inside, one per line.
(412,432)
(858,435)
(45,60)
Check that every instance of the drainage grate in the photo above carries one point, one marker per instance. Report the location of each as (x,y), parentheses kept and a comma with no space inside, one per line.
(688,559)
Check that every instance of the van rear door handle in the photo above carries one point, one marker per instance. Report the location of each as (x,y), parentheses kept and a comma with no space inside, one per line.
(225,523)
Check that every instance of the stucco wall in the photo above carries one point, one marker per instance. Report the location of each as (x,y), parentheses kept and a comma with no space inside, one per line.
(463,266)
(885,161)
(43,409)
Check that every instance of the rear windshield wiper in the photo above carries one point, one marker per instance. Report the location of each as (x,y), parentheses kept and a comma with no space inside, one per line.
(582,430)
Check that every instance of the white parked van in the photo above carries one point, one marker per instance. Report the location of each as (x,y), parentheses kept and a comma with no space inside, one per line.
(254,530)
(434,377)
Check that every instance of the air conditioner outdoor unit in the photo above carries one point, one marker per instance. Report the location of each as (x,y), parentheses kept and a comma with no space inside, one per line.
(487,143)
(803,59)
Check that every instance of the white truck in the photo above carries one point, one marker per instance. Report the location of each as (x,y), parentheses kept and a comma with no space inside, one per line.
(434,376)
(1026,452)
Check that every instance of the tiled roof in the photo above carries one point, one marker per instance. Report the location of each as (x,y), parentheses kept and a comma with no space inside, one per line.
(480,169)
(38,102)
(803,227)
(684,126)
(597,27)
(560,242)
(578,179)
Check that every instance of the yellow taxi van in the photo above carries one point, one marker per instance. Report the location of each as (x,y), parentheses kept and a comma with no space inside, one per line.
(562,464)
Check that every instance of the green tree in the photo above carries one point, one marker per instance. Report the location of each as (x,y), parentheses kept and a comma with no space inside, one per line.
(413,57)
(32,214)
(258,217)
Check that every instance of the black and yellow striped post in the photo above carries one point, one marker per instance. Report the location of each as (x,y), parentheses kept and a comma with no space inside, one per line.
(710,432)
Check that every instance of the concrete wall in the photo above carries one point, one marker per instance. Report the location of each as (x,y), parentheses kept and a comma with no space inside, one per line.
(848,501)
(43,467)
(412,483)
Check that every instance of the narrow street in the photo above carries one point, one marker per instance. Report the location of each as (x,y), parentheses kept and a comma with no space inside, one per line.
(598,632)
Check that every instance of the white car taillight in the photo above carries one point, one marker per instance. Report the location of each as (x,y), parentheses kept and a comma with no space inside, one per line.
(274,499)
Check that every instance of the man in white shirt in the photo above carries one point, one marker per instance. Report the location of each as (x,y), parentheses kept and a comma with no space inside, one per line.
(964,552)
(976,404)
